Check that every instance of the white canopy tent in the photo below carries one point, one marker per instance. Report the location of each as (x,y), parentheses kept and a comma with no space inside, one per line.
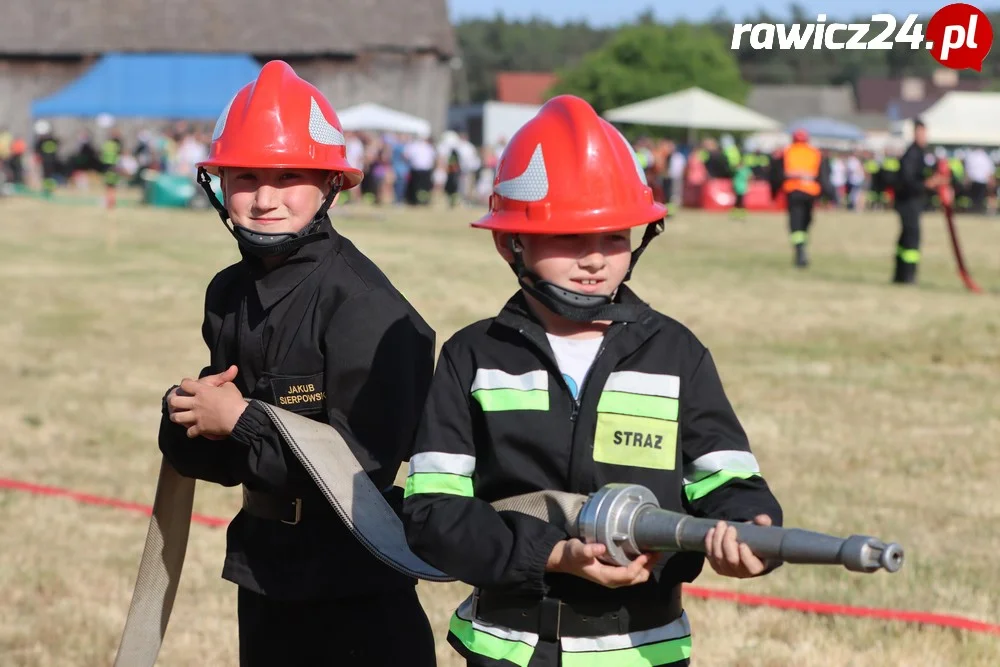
(694,109)
(373,117)
(961,118)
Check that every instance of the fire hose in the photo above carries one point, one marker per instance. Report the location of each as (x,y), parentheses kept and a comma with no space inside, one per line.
(947,197)
(626,518)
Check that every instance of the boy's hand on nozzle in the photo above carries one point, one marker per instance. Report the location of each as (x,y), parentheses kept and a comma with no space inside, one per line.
(574,557)
(732,558)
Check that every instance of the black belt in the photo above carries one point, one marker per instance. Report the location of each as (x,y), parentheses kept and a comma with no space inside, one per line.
(282,508)
(552,618)
(293,510)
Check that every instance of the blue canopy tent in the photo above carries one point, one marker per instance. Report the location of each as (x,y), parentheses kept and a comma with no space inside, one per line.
(827,128)
(189,86)
(166,86)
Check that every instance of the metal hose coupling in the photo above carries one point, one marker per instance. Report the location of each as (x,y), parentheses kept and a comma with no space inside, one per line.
(628,520)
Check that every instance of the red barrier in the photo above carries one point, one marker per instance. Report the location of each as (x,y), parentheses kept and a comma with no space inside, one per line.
(823,608)
(716,194)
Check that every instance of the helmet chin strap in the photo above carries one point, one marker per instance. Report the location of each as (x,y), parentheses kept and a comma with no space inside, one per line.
(271,244)
(577,306)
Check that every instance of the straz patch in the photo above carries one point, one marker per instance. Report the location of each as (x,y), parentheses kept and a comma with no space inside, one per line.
(637,420)
(640,442)
(299,394)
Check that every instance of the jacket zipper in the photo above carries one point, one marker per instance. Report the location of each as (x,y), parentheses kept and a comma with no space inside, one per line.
(577,401)
(610,333)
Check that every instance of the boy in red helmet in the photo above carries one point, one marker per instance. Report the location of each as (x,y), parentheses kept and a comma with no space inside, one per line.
(575,384)
(305,322)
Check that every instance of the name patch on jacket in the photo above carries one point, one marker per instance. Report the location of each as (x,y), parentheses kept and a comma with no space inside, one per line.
(300,394)
(637,421)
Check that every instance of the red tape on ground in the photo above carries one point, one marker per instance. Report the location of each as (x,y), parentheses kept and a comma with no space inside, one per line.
(89,499)
(827,609)
(823,608)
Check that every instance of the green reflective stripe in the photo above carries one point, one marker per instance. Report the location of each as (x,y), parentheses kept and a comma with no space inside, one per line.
(495,648)
(702,488)
(438,482)
(499,400)
(660,653)
(908,255)
(637,405)
(798,237)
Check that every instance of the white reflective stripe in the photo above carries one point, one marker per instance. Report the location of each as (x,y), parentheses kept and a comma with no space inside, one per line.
(649,384)
(674,630)
(709,464)
(220,124)
(464,612)
(454,464)
(491,378)
(320,129)
(635,158)
(532,185)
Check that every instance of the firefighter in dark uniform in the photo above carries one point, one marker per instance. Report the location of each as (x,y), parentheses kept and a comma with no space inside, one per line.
(914,178)
(307,323)
(800,177)
(715,160)
(575,384)
(888,179)
(47,151)
(873,188)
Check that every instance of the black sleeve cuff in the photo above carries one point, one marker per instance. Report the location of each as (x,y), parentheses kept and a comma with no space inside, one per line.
(164,408)
(540,559)
(251,424)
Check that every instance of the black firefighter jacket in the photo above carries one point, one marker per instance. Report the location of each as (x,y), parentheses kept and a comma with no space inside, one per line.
(325,335)
(500,421)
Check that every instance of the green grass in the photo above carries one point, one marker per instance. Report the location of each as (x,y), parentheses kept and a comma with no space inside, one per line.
(871,407)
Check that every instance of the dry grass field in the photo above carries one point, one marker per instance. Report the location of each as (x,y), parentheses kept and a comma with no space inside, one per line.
(872,408)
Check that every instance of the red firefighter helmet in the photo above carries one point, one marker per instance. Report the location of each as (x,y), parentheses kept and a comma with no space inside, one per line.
(800,135)
(568,171)
(280,121)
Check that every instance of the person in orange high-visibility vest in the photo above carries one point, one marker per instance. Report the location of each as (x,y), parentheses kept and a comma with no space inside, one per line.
(800,181)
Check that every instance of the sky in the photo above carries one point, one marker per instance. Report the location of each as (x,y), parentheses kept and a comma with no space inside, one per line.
(614,12)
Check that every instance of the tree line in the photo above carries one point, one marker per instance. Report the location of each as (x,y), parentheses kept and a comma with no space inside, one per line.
(613,66)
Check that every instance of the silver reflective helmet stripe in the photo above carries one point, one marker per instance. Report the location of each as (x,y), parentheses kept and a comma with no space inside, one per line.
(635,158)
(320,129)
(220,125)
(532,185)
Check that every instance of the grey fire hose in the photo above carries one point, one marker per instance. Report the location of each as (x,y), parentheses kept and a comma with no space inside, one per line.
(624,517)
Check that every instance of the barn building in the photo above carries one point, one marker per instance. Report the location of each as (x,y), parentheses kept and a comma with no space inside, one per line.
(393,52)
